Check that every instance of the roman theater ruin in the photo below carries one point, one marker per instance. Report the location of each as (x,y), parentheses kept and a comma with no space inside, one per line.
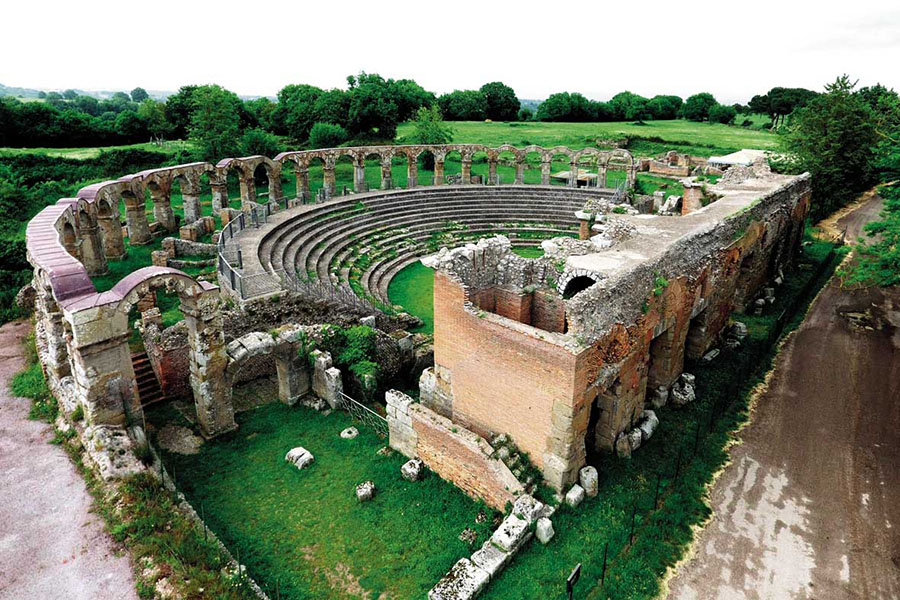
(563,356)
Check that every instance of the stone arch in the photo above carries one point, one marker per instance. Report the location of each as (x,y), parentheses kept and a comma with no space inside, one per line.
(575,284)
(292,369)
(90,247)
(556,151)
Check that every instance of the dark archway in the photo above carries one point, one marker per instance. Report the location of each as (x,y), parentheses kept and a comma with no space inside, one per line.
(576,285)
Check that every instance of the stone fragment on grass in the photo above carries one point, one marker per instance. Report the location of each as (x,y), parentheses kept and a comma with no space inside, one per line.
(365,491)
(635,438)
(464,581)
(490,559)
(511,533)
(412,470)
(659,397)
(711,355)
(528,508)
(623,446)
(682,393)
(648,424)
(300,457)
(544,530)
(588,479)
(350,433)
(368,321)
(575,496)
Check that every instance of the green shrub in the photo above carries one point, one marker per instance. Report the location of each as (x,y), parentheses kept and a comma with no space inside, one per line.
(327,135)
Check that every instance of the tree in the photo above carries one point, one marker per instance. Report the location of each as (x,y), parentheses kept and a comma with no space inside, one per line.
(139,94)
(215,122)
(333,106)
(664,107)
(87,104)
(833,138)
(568,107)
(153,113)
(719,113)
(261,111)
(429,128)
(372,112)
(327,135)
(410,97)
(130,125)
(502,103)
(525,114)
(259,142)
(70,94)
(178,110)
(696,107)
(464,105)
(629,106)
(296,109)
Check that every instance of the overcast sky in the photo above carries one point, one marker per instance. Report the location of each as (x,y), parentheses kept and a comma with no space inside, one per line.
(598,48)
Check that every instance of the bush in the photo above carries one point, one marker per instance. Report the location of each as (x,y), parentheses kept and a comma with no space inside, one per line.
(327,135)
(258,141)
(719,113)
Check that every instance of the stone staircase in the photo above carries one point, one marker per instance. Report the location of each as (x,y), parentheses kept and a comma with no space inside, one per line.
(370,237)
(148,388)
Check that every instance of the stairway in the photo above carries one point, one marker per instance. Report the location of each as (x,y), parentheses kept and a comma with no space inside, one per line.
(148,388)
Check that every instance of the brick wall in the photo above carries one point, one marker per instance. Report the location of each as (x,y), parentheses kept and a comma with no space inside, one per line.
(453,452)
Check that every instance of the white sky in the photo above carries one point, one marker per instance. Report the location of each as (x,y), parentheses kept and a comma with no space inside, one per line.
(595,47)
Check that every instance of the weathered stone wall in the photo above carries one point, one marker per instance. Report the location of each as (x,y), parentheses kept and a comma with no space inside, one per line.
(169,354)
(454,453)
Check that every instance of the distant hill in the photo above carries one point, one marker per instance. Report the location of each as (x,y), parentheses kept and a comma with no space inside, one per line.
(529,104)
(28,93)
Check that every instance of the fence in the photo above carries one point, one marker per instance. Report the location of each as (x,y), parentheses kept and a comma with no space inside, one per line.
(647,504)
(365,415)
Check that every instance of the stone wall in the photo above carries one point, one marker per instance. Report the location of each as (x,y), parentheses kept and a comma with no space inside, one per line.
(169,354)
(453,452)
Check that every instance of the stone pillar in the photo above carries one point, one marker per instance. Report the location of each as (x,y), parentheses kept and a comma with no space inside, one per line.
(50,334)
(91,249)
(111,235)
(190,200)
(412,172)
(601,177)
(545,172)
(302,184)
(275,193)
(206,338)
(492,173)
(293,376)
(630,176)
(328,180)
(101,366)
(138,226)
(584,224)
(327,383)
(359,177)
(692,199)
(162,209)
(520,172)
(248,191)
(219,196)
(386,182)
(466,171)
(573,175)
(438,171)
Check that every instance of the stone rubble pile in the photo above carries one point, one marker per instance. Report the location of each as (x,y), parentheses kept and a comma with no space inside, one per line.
(682,391)
(469,576)
(630,441)
(610,231)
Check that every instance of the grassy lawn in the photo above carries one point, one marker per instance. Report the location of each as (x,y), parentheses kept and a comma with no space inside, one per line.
(701,138)
(305,530)
(83,153)
(628,486)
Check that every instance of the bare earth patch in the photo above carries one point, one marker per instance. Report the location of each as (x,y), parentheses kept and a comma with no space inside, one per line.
(182,440)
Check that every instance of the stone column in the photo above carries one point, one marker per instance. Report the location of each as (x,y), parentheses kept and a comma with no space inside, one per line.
(91,250)
(438,171)
(412,172)
(328,179)
(630,177)
(248,191)
(101,366)
(190,200)
(520,172)
(466,171)
(545,172)
(293,376)
(573,175)
(111,235)
(302,184)
(359,177)
(138,226)
(584,224)
(206,338)
(50,334)
(219,196)
(162,209)
(275,193)
(601,177)
(492,173)
(386,182)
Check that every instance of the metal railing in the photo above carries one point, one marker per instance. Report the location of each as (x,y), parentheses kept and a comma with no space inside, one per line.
(365,415)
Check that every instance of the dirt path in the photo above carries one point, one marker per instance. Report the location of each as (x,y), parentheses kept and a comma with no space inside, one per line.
(810,505)
(51,546)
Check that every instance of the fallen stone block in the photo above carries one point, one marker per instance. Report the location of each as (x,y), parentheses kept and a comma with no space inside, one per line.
(368,321)
(648,424)
(300,457)
(682,394)
(463,581)
(688,379)
(490,559)
(350,433)
(413,470)
(588,479)
(659,397)
(365,491)
(544,530)
(526,507)
(711,355)
(739,330)
(635,438)
(511,533)
(623,446)
(575,496)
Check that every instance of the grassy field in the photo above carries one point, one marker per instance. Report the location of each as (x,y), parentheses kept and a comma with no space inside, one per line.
(703,139)
(83,153)
(305,530)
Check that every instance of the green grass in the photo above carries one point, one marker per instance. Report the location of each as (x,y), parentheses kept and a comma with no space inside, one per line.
(30,383)
(528,251)
(701,138)
(305,529)
(628,485)
(413,289)
(83,153)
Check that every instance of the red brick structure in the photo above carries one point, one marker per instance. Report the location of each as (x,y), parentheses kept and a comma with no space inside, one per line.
(561,377)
